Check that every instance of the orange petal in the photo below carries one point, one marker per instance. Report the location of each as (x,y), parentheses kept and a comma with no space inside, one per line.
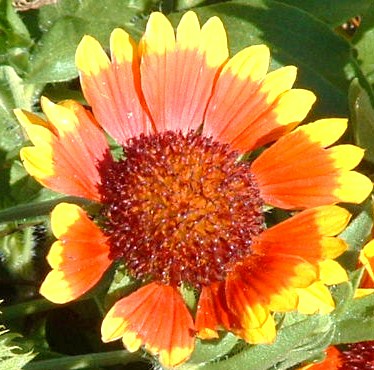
(284,114)
(270,275)
(154,316)
(313,227)
(112,88)
(297,172)
(212,312)
(177,73)
(66,150)
(78,259)
(236,96)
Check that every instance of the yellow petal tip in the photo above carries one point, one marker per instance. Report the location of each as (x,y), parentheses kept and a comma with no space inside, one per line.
(90,57)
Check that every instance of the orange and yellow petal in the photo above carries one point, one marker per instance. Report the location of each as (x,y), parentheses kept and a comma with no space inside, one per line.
(288,270)
(298,172)
(178,71)
(249,109)
(367,259)
(78,258)
(314,228)
(67,148)
(254,289)
(212,312)
(170,335)
(112,87)
(249,306)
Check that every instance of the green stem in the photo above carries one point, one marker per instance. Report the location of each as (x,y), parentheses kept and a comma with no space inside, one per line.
(26,308)
(35,209)
(84,361)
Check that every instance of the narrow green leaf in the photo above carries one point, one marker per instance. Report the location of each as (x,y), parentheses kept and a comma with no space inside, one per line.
(19,310)
(88,361)
(35,209)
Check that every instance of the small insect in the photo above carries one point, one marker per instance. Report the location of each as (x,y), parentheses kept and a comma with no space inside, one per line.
(23,5)
(350,27)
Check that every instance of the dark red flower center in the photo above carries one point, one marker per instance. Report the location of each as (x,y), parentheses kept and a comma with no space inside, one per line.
(358,356)
(180,208)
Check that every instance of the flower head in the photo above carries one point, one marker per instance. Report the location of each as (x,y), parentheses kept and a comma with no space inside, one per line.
(352,357)
(181,207)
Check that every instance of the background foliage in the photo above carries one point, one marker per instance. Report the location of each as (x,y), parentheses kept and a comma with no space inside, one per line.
(335,59)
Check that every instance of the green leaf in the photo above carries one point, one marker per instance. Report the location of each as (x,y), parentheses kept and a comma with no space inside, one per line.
(210,350)
(364,41)
(15,39)
(356,323)
(332,12)
(53,64)
(362,117)
(14,93)
(122,285)
(65,26)
(357,234)
(343,293)
(299,341)
(323,58)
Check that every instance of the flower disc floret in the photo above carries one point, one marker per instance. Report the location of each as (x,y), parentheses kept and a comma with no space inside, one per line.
(180,208)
